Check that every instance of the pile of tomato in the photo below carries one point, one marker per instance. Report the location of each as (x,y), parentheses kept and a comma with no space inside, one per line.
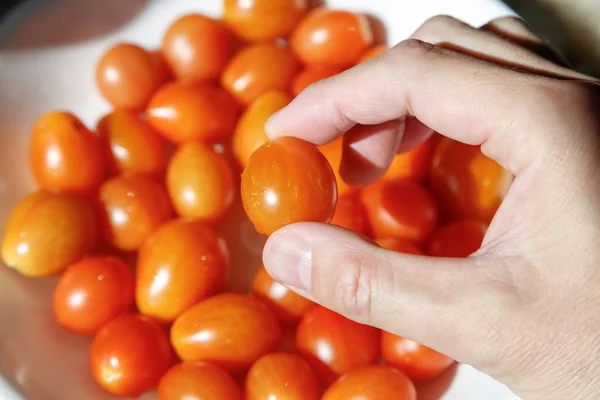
(126,213)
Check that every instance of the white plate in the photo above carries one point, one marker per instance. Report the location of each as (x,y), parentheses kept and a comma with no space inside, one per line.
(47,54)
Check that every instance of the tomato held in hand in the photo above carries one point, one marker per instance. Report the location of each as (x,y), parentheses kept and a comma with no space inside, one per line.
(457,239)
(333,153)
(312,74)
(373,52)
(230,330)
(129,355)
(92,292)
(182,263)
(350,214)
(64,155)
(418,362)
(413,164)
(45,232)
(399,245)
(286,181)
(281,376)
(198,381)
(334,345)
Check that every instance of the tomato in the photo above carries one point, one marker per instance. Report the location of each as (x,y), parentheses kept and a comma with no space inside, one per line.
(399,245)
(311,74)
(92,292)
(400,209)
(250,132)
(281,376)
(334,345)
(45,232)
(466,183)
(131,145)
(263,20)
(375,382)
(413,164)
(457,239)
(231,330)
(418,362)
(128,75)
(332,37)
(200,182)
(185,112)
(198,381)
(373,52)
(129,355)
(64,155)
(287,305)
(197,48)
(276,191)
(183,262)
(131,208)
(333,152)
(258,69)
(350,214)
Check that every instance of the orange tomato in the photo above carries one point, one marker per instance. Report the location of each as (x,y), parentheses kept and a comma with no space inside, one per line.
(312,74)
(457,239)
(399,245)
(334,345)
(198,381)
(186,112)
(45,232)
(281,376)
(373,52)
(197,48)
(131,145)
(413,164)
(332,37)
(131,208)
(350,214)
(258,69)
(276,192)
(182,263)
(64,155)
(129,355)
(333,153)
(230,330)
(92,292)
(128,75)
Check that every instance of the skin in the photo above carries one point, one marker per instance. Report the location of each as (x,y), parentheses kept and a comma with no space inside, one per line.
(512,309)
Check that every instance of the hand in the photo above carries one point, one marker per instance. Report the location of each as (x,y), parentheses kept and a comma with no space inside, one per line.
(526,307)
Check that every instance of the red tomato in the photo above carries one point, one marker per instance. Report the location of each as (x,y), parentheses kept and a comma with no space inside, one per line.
(64,155)
(45,232)
(373,52)
(185,112)
(415,360)
(230,330)
(350,214)
(276,192)
(198,381)
(399,245)
(128,75)
(457,239)
(333,153)
(281,376)
(413,164)
(258,69)
(375,382)
(311,74)
(334,345)
(182,263)
(129,355)
(92,292)
(332,37)
(197,48)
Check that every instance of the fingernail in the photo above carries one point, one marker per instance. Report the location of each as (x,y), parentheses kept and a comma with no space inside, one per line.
(288,260)
(269,125)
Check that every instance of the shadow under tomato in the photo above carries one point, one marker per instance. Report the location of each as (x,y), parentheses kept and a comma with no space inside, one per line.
(311,4)
(435,388)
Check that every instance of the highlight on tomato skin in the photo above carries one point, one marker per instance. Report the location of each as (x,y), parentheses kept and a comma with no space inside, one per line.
(457,239)
(198,381)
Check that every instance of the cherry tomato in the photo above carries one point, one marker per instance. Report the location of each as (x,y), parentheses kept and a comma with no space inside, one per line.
(415,360)
(258,69)
(400,209)
(333,152)
(332,37)
(276,191)
(129,355)
(457,239)
(281,376)
(334,345)
(185,112)
(182,263)
(466,183)
(231,330)
(200,182)
(375,382)
(263,20)
(45,232)
(64,155)
(198,381)
(311,74)
(399,245)
(131,145)
(131,208)
(250,132)
(128,75)
(92,292)
(197,48)
(350,214)
(413,164)
(373,52)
